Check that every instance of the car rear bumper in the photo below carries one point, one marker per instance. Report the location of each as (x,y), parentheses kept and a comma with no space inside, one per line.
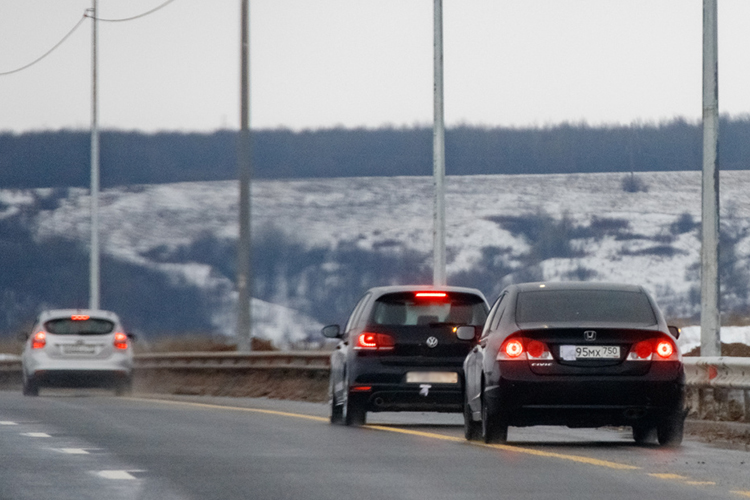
(410,398)
(585,403)
(385,388)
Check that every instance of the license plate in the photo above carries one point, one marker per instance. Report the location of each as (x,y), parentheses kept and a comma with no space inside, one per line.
(79,349)
(576,352)
(432,377)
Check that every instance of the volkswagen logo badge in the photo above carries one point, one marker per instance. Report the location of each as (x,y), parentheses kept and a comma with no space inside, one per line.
(432,342)
(589,335)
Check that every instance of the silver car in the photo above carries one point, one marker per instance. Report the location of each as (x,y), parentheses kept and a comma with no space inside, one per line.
(77,348)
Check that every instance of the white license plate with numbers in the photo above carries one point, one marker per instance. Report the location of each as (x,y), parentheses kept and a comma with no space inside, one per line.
(431,378)
(79,349)
(576,352)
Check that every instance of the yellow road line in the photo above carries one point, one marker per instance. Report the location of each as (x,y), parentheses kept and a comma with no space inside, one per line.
(668,476)
(236,408)
(742,493)
(514,449)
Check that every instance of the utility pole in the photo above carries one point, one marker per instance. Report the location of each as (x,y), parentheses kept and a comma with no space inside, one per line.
(244,317)
(710,312)
(94,264)
(438,153)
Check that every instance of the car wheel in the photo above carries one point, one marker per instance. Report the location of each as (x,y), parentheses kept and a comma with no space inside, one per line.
(336,410)
(669,431)
(494,429)
(644,434)
(30,388)
(472,429)
(352,413)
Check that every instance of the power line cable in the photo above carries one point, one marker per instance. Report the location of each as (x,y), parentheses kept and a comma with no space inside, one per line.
(49,51)
(134,17)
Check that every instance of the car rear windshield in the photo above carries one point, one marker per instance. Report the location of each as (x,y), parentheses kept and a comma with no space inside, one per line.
(68,326)
(405,308)
(576,306)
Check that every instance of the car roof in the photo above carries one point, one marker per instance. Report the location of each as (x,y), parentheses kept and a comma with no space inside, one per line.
(67,313)
(379,291)
(578,285)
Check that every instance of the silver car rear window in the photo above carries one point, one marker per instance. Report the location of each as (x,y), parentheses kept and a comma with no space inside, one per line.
(68,326)
(576,306)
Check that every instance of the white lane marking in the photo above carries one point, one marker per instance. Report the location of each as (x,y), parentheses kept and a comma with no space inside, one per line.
(8,423)
(72,451)
(115,474)
(36,434)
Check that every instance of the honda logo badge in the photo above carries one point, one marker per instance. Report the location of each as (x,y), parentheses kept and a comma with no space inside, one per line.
(589,335)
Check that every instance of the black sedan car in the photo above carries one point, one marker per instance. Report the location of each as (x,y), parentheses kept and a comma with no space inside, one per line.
(579,355)
(400,351)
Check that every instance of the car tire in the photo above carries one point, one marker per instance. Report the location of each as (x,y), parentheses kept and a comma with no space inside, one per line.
(472,429)
(30,388)
(644,434)
(494,429)
(670,430)
(353,414)
(336,410)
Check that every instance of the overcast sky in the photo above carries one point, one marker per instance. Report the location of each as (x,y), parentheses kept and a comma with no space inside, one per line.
(352,63)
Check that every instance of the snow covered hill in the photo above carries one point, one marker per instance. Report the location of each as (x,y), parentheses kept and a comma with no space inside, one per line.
(550,227)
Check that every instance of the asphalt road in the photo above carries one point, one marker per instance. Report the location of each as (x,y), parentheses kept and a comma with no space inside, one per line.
(81,445)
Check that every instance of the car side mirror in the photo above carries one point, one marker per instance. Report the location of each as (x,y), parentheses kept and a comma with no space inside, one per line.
(331,331)
(466,332)
(675,331)
(22,337)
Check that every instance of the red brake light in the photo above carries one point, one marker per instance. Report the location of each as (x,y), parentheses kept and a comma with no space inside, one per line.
(430,295)
(535,349)
(121,341)
(374,341)
(79,317)
(655,349)
(643,349)
(664,349)
(513,348)
(39,340)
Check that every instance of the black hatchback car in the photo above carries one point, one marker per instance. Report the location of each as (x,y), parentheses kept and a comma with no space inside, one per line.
(579,355)
(400,351)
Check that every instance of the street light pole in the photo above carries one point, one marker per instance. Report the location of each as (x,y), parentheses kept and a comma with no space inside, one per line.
(438,153)
(244,317)
(710,312)
(94,263)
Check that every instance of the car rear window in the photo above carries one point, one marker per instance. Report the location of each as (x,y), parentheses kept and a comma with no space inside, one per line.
(68,326)
(405,308)
(575,306)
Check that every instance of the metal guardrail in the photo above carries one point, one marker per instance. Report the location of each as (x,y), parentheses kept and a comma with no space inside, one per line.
(268,360)
(724,372)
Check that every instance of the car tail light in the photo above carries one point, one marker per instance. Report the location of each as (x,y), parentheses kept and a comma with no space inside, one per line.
(374,341)
(516,348)
(537,350)
(656,349)
(39,340)
(512,349)
(79,317)
(664,349)
(121,341)
(430,295)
